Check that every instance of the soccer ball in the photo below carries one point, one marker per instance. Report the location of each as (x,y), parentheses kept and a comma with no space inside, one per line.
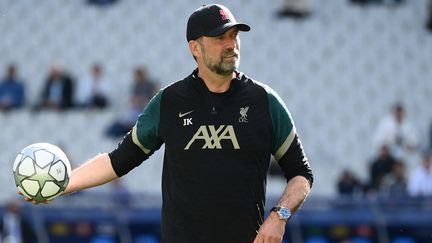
(41,171)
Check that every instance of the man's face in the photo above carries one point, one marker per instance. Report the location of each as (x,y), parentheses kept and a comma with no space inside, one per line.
(221,54)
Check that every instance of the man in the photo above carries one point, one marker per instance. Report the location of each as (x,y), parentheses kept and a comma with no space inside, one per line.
(93,91)
(14,228)
(219,128)
(420,181)
(11,90)
(58,90)
(396,132)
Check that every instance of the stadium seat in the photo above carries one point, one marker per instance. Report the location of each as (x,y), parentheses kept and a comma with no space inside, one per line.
(316,239)
(147,238)
(360,240)
(102,239)
(403,239)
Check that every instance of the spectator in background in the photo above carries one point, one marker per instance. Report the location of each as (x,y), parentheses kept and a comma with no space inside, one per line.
(397,133)
(360,1)
(394,184)
(380,167)
(142,89)
(348,184)
(93,90)
(121,197)
(429,20)
(430,136)
(101,2)
(14,228)
(294,9)
(58,90)
(388,2)
(11,90)
(141,92)
(420,181)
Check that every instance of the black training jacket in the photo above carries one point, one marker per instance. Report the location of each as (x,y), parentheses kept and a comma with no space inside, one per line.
(217,152)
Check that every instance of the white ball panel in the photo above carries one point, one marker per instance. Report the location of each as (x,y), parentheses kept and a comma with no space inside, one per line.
(26,168)
(68,166)
(17,160)
(58,171)
(50,189)
(43,158)
(32,187)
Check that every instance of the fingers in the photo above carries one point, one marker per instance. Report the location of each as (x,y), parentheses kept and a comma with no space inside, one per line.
(29,200)
(258,239)
(37,202)
(32,200)
(263,239)
(25,198)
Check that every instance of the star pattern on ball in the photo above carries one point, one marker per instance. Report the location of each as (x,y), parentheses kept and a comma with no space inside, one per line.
(41,171)
(41,175)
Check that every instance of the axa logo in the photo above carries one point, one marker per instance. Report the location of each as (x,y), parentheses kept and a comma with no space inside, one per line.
(211,137)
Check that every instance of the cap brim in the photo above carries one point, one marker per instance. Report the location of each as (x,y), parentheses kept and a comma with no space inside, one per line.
(224,28)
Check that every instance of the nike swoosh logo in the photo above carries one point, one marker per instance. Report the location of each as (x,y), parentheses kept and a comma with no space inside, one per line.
(185,114)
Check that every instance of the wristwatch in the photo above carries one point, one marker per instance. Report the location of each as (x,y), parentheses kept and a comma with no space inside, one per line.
(283,212)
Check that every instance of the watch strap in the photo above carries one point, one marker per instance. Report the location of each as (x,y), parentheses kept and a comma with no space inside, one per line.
(275,209)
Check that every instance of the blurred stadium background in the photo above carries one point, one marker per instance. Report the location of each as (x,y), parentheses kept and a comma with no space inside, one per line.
(339,71)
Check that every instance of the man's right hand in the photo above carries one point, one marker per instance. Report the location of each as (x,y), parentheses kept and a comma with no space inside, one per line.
(33,201)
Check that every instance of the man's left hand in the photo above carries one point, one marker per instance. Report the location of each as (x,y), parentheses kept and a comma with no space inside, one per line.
(272,230)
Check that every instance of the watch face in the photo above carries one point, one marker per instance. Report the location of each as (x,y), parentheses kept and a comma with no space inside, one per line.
(284,213)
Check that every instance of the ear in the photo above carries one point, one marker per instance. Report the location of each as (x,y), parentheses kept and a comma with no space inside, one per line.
(195,48)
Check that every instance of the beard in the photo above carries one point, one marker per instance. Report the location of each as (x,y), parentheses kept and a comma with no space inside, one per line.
(228,62)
